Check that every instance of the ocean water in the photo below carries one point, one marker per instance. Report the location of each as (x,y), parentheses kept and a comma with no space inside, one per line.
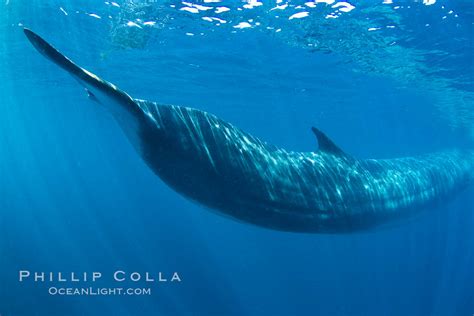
(383,78)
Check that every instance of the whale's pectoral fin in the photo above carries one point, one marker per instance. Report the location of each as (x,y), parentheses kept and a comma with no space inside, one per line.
(327,145)
(89,93)
(91,96)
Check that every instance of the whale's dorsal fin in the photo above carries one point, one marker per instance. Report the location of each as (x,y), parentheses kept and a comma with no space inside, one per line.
(327,145)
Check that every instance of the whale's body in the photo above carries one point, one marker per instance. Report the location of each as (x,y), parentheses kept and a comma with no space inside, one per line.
(218,165)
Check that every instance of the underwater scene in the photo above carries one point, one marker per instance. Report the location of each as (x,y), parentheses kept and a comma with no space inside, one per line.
(229,157)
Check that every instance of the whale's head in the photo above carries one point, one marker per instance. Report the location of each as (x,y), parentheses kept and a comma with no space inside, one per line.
(123,107)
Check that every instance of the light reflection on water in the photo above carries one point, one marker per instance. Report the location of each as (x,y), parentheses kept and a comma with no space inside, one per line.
(424,45)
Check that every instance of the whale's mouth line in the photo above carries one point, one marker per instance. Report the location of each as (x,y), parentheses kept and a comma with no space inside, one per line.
(51,53)
(83,75)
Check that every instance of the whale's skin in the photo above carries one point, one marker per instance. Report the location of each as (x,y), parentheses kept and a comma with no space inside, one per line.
(216,164)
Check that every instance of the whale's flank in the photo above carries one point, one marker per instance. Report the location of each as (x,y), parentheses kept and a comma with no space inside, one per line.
(220,166)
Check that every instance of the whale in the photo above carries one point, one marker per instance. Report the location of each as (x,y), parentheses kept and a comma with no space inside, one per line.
(235,174)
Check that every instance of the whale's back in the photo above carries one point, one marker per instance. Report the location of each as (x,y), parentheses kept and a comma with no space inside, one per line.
(222,167)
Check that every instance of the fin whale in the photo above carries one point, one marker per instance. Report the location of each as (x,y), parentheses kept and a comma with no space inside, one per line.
(234,173)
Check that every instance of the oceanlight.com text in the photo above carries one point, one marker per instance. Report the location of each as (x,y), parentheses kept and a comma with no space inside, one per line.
(97,291)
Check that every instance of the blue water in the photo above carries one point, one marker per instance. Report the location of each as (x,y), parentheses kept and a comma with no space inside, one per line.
(382,79)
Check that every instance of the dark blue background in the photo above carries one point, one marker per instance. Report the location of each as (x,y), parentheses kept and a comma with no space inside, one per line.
(74,196)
